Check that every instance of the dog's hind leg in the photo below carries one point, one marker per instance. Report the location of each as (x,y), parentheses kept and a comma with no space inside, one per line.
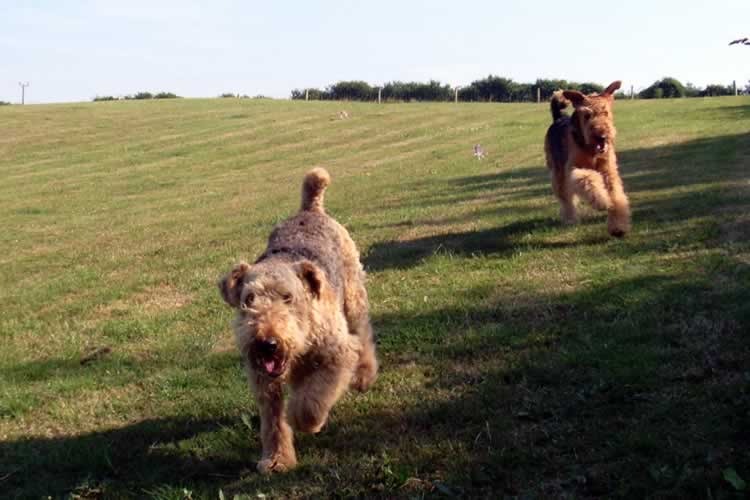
(358,319)
(565,195)
(557,147)
(367,366)
(357,313)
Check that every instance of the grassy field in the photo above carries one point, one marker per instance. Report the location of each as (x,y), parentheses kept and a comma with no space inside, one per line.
(519,357)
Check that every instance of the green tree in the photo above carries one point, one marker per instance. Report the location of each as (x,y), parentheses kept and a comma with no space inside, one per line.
(666,87)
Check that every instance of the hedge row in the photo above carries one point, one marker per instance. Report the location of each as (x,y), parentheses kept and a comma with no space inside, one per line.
(138,96)
(493,89)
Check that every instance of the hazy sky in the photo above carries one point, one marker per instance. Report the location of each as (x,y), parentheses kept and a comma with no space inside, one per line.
(75,50)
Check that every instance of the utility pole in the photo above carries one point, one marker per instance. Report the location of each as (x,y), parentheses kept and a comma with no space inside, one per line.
(23,91)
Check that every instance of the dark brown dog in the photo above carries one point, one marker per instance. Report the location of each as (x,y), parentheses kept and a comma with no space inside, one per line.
(580,151)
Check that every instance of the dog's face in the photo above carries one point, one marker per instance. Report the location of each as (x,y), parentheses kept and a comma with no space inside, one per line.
(593,117)
(272,302)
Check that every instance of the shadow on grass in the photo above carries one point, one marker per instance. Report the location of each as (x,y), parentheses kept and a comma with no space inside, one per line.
(734,113)
(704,160)
(518,183)
(677,166)
(99,368)
(629,388)
(74,370)
(137,458)
(624,389)
(501,241)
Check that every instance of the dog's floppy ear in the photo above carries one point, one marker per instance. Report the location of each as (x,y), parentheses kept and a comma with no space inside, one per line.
(614,86)
(311,277)
(575,97)
(231,285)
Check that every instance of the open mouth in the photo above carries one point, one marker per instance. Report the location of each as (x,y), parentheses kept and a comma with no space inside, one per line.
(601,145)
(268,356)
(273,366)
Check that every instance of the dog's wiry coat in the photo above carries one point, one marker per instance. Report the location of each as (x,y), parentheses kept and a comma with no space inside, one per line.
(302,321)
(581,157)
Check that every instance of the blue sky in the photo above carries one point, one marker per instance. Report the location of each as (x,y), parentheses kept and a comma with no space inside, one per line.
(75,50)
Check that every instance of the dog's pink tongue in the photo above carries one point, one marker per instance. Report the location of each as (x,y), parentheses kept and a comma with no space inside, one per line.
(270,366)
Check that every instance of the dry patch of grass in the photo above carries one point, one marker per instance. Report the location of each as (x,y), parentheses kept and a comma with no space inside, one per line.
(154,300)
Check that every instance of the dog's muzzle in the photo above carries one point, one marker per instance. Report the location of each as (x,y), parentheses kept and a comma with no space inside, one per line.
(268,357)
(601,144)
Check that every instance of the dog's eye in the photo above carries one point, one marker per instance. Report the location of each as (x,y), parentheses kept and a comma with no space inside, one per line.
(287,297)
(249,299)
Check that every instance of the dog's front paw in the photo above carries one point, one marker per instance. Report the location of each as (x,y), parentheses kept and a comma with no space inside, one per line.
(364,377)
(276,464)
(568,216)
(360,384)
(618,227)
(266,466)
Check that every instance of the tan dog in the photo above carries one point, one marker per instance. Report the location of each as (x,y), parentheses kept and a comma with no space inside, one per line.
(580,151)
(302,321)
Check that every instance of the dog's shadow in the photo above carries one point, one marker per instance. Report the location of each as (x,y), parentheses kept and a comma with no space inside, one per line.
(142,454)
(499,241)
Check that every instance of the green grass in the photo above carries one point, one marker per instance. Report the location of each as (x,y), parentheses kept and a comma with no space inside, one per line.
(519,357)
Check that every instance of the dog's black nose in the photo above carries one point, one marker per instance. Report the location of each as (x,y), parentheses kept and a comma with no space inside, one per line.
(267,346)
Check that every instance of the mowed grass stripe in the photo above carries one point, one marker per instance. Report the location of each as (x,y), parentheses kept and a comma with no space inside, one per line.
(498,327)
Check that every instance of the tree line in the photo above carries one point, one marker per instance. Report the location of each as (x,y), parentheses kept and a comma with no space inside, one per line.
(168,95)
(671,87)
(137,96)
(495,89)
(490,89)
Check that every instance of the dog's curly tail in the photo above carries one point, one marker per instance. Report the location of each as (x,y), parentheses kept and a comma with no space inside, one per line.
(313,188)
(557,104)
